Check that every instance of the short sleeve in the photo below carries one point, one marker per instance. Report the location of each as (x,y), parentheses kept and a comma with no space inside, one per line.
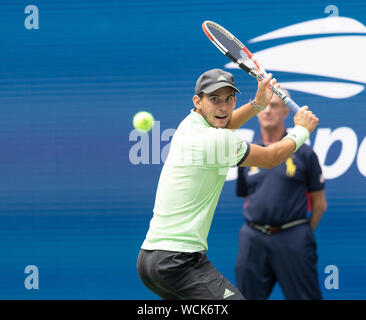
(225,148)
(315,179)
(241,185)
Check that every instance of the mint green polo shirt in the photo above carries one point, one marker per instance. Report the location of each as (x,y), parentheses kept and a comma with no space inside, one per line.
(190,184)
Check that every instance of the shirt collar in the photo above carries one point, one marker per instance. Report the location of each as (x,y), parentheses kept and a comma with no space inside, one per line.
(199,118)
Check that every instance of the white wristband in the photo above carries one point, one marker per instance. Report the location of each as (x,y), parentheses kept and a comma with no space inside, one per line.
(299,135)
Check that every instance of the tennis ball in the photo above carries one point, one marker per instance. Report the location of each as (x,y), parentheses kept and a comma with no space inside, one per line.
(143,121)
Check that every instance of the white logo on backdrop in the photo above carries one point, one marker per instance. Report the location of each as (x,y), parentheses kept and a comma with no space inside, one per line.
(339,57)
(324,138)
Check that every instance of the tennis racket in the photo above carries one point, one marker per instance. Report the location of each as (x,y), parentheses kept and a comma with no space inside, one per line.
(239,54)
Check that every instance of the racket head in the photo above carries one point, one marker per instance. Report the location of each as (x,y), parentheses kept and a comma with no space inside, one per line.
(232,47)
(236,51)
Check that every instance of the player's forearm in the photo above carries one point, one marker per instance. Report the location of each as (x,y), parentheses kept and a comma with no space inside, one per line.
(271,156)
(280,151)
(284,148)
(242,115)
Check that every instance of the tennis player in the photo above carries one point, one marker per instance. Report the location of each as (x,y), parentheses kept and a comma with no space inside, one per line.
(172,261)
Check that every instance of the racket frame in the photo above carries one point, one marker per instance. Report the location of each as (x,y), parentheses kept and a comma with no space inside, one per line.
(254,73)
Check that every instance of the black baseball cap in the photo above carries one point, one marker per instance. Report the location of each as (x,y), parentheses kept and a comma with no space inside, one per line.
(214,79)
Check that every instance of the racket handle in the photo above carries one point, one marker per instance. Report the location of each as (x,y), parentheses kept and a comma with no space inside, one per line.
(291,104)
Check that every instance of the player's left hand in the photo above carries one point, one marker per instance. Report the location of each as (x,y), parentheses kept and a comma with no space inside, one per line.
(264,91)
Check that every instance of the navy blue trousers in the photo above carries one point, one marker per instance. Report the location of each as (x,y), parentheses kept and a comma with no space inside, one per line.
(288,256)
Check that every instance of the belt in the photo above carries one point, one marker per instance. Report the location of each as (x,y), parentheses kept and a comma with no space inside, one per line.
(268,229)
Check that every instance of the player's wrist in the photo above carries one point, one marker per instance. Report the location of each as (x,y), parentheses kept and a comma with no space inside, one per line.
(255,105)
(299,135)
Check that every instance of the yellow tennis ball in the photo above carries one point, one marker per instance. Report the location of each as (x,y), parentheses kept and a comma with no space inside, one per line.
(143,121)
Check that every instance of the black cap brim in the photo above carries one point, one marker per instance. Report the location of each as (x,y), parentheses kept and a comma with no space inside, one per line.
(217,86)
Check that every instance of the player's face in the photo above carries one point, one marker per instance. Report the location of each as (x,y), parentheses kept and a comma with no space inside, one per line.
(216,107)
(273,116)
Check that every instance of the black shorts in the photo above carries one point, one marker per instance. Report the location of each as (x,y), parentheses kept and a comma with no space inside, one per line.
(182,275)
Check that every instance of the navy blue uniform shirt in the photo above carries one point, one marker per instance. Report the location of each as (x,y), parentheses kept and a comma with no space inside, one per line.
(278,195)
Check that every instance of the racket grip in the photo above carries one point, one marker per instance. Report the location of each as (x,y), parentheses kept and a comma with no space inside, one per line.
(292,104)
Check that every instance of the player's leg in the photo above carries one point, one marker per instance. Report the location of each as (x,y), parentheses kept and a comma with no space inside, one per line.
(192,276)
(254,276)
(180,275)
(294,262)
(146,266)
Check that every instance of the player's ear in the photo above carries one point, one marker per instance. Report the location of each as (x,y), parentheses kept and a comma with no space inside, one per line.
(196,101)
(285,112)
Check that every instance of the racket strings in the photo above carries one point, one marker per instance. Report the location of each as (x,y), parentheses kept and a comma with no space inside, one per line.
(230,45)
(234,46)
(239,54)
(226,34)
(220,29)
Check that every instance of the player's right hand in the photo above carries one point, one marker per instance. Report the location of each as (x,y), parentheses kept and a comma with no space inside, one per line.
(305,118)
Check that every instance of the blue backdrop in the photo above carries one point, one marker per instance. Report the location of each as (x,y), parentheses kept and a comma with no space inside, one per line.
(71,201)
